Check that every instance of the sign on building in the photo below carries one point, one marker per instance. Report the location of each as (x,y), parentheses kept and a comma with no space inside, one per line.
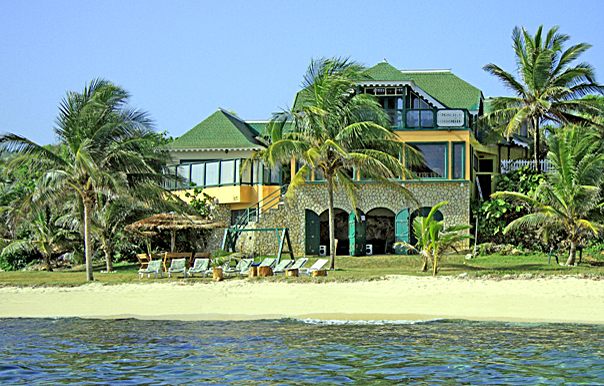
(450,118)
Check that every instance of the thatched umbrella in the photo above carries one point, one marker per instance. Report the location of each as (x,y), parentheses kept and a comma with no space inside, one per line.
(173,222)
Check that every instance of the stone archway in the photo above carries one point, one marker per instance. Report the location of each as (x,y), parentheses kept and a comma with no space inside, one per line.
(341,230)
(380,230)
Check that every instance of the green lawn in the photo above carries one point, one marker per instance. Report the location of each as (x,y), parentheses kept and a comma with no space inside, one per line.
(349,269)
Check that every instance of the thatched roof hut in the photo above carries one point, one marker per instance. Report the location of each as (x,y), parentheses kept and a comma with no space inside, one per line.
(173,222)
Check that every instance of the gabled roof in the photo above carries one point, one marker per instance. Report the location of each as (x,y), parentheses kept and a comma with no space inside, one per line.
(442,85)
(220,131)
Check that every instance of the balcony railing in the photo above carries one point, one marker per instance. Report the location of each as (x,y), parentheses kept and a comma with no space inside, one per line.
(428,118)
(515,164)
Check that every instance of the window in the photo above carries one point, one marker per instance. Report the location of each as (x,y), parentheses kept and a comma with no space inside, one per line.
(485,165)
(198,172)
(246,175)
(212,175)
(184,174)
(227,172)
(257,173)
(458,158)
(435,156)
(235,214)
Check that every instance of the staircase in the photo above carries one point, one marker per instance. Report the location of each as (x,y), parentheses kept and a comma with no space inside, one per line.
(253,214)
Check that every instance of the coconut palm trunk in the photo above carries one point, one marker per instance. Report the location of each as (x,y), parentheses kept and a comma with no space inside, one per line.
(88,238)
(573,253)
(108,253)
(536,147)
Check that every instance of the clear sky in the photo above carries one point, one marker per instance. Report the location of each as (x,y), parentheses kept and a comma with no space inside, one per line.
(181,60)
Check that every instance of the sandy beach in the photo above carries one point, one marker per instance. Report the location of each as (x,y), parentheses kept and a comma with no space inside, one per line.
(570,300)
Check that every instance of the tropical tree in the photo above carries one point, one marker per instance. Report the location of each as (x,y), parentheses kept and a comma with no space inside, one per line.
(549,88)
(572,192)
(433,238)
(333,130)
(44,234)
(107,146)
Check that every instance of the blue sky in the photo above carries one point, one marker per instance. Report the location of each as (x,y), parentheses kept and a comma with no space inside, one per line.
(181,60)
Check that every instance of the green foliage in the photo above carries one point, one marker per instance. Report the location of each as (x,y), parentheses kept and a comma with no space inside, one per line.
(495,214)
(200,201)
(523,180)
(15,260)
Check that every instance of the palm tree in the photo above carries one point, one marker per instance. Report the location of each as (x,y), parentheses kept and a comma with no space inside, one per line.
(550,86)
(107,146)
(571,194)
(45,236)
(333,130)
(433,238)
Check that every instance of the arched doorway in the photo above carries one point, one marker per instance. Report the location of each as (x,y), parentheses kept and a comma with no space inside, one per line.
(380,230)
(421,212)
(341,230)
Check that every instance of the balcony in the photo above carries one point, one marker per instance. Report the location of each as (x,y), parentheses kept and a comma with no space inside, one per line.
(417,119)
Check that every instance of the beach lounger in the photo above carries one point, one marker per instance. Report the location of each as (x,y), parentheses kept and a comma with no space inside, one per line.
(200,266)
(268,262)
(178,266)
(155,267)
(298,264)
(282,266)
(242,268)
(318,265)
(168,256)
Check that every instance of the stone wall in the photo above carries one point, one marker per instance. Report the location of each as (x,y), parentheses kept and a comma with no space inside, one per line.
(219,213)
(311,196)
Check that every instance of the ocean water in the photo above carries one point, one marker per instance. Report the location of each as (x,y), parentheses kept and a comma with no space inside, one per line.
(296,352)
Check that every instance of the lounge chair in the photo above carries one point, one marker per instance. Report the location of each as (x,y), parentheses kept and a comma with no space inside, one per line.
(282,266)
(298,264)
(200,266)
(318,265)
(268,262)
(154,266)
(242,268)
(168,256)
(178,266)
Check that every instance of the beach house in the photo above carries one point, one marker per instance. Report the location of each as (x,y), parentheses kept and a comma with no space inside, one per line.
(432,110)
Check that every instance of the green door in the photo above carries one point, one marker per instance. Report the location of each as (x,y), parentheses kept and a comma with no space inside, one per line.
(312,232)
(357,234)
(401,231)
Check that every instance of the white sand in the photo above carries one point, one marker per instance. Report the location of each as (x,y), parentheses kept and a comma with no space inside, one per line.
(397,298)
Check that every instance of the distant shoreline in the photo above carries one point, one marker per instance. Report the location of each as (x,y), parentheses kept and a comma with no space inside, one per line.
(552,299)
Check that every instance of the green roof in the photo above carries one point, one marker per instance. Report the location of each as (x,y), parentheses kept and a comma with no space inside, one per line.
(444,86)
(220,130)
(258,125)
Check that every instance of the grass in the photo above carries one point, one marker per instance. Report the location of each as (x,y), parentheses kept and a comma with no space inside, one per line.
(350,268)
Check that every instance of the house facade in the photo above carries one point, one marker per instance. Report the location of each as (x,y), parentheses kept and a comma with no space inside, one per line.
(431,110)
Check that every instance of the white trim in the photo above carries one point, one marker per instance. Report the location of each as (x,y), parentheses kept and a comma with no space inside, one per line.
(219,149)
(410,83)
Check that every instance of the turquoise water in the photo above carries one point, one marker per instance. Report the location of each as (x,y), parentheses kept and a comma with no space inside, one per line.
(293,352)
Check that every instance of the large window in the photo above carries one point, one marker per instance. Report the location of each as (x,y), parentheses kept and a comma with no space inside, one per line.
(435,156)
(459,158)
(219,173)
